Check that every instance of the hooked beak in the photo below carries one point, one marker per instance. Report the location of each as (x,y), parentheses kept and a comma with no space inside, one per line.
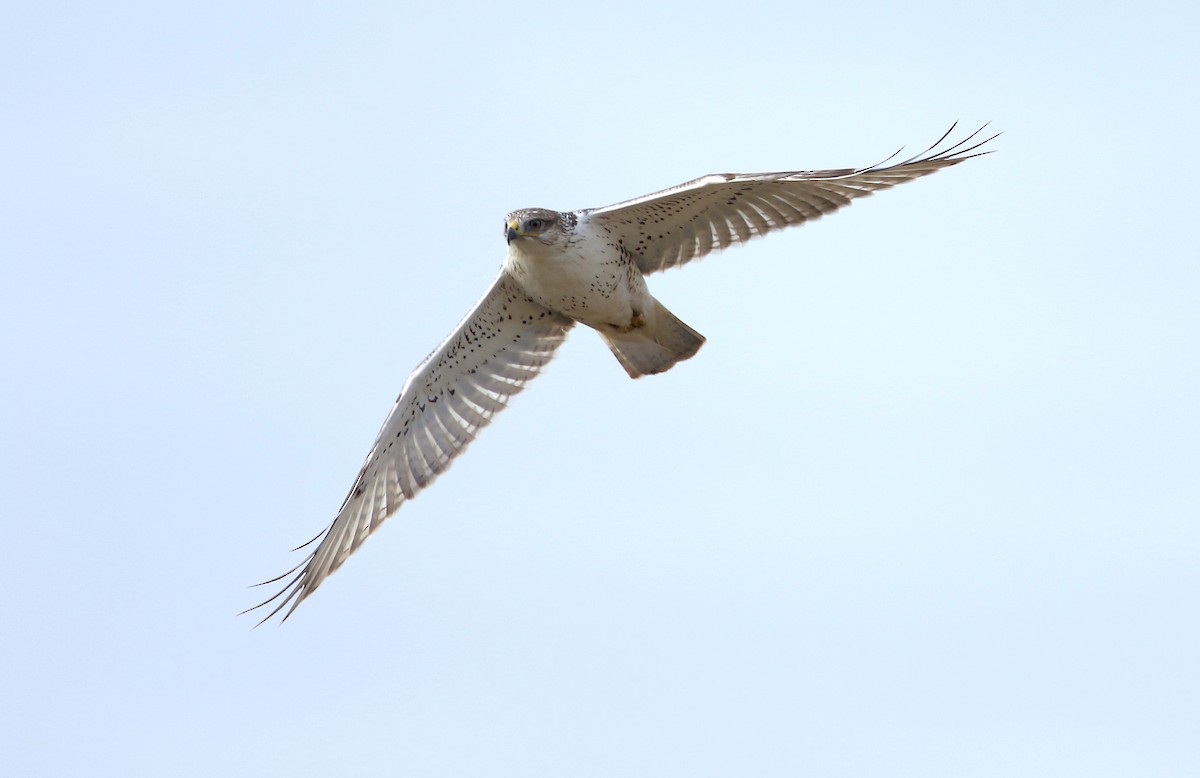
(513,232)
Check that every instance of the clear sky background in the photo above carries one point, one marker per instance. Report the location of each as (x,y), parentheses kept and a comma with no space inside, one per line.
(925,504)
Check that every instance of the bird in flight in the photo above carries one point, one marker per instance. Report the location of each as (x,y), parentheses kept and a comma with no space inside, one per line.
(566,267)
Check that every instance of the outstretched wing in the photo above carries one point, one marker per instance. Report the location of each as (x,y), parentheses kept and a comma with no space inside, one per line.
(686,222)
(503,343)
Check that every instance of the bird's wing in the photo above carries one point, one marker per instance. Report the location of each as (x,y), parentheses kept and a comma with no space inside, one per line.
(501,344)
(669,228)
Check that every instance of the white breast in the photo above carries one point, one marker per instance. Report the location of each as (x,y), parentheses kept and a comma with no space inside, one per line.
(588,279)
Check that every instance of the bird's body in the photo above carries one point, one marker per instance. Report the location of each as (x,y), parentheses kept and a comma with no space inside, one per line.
(585,272)
(563,268)
(579,274)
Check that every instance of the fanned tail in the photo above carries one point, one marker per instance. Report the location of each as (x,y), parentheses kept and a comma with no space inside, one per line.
(656,346)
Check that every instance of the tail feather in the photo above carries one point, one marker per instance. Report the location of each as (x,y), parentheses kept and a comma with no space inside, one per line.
(655,346)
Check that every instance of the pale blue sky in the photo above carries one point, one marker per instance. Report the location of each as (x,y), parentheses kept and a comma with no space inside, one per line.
(925,504)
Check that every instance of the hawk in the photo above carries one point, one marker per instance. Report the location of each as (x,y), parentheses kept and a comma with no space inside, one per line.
(584,267)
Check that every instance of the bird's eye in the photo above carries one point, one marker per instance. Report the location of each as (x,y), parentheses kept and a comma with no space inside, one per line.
(534,225)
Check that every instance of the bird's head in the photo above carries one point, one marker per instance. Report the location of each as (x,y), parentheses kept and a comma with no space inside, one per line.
(539,225)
